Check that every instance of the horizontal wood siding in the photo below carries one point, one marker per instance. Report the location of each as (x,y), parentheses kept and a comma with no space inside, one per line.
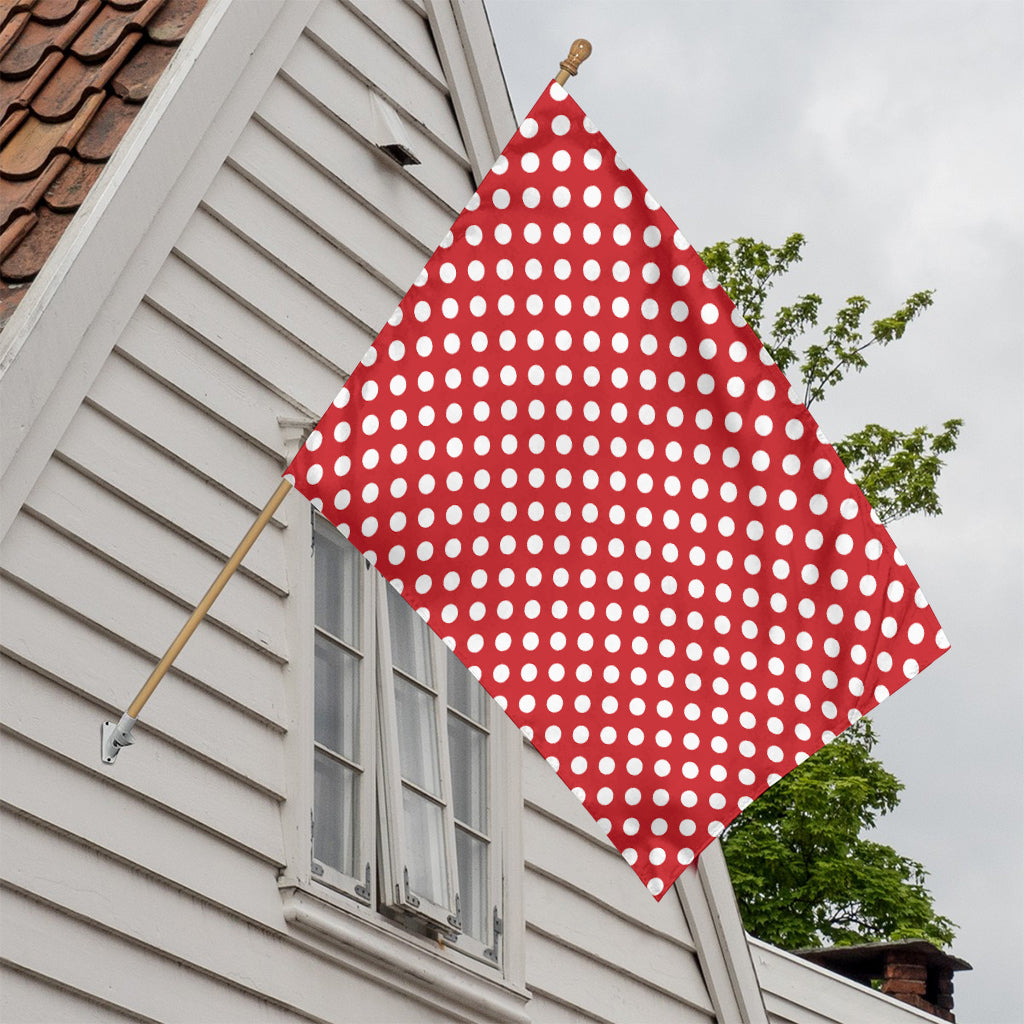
(597,941)
(149,891)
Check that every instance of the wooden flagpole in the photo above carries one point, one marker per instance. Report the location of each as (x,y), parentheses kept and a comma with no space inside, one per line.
(115,736)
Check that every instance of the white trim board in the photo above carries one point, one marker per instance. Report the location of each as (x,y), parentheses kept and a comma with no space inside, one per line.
(708,901)
(67,323)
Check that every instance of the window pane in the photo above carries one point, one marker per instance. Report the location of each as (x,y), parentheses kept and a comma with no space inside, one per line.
(339,592)
(336,715)
(424,837)
(467,747)
(465,694)
(472,858)
(335,814)
(410,636)
(417,735)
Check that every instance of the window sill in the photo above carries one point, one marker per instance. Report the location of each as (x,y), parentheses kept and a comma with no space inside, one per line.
(409,965)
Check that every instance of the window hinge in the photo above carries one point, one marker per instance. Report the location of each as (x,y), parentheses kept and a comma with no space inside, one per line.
(363,891)
(492,953)
(412,900)
(317,869)
(455,920)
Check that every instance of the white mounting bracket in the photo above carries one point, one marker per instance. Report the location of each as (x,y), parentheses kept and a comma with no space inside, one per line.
(114,737)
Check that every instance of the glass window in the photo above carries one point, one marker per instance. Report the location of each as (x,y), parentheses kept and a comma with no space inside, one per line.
(402,760)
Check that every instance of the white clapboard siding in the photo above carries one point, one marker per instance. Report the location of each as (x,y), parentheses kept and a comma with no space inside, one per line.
(165,489)
(349,160)
(25,995)
(796,992)
(65,798)
(150,985)
(82,659)
(278,234)
(200,375)
(614,943)
(602,991)
(273,291)
(357,46)
(88,514)
(344,220)
(582,898)
(441,174)
(246,958)
(196,304)
(38,710)
(174,424)
(48,563)
(407,31)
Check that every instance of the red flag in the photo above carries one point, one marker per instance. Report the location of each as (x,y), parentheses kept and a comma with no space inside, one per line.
(571,455)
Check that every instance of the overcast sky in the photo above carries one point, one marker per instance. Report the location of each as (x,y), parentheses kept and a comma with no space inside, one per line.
(890,134)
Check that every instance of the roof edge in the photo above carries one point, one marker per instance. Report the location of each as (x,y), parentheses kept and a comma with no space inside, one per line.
(57,340)
(713,915)
(469,57)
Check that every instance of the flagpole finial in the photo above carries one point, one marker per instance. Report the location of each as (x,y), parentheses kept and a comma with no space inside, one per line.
(578,53)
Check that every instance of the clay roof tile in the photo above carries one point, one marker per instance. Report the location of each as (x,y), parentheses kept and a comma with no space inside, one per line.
(135,81)
(38,39)
(110,25)
(106,129)
(73,80)
(10,30)
(19,94)
(71,187)
(28,257)
(19,197)
(174,20)
(29,149)
(54,11)
(15,232)
(73,75)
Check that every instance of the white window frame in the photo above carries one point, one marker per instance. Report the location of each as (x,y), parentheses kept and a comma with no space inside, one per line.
(328,908)
(396,849)
(359,885)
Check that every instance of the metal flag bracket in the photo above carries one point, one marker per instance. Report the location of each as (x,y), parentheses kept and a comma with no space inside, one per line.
(115,736)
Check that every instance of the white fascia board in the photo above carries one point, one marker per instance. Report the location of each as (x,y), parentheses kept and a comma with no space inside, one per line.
(709,903)
(56,342)
(479,95)
(814,993)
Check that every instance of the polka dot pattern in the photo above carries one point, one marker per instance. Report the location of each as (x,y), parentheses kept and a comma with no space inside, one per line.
(571,455)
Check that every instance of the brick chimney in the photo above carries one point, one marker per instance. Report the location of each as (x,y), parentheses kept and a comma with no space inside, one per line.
(912,970)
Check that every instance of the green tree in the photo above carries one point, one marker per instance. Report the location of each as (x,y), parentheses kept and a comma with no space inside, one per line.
(804,873)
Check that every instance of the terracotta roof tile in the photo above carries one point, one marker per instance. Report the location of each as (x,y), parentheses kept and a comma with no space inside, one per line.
(135,81)
(73,74)
(23,196)
(12,235)
(73,184)
(106,129)
(19,94)
(73,80)
(99,38)
(28,150)
(28,258)
(54,11)
(11,30)
(173,20)
(11,124)
(8,8)
(38,39)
